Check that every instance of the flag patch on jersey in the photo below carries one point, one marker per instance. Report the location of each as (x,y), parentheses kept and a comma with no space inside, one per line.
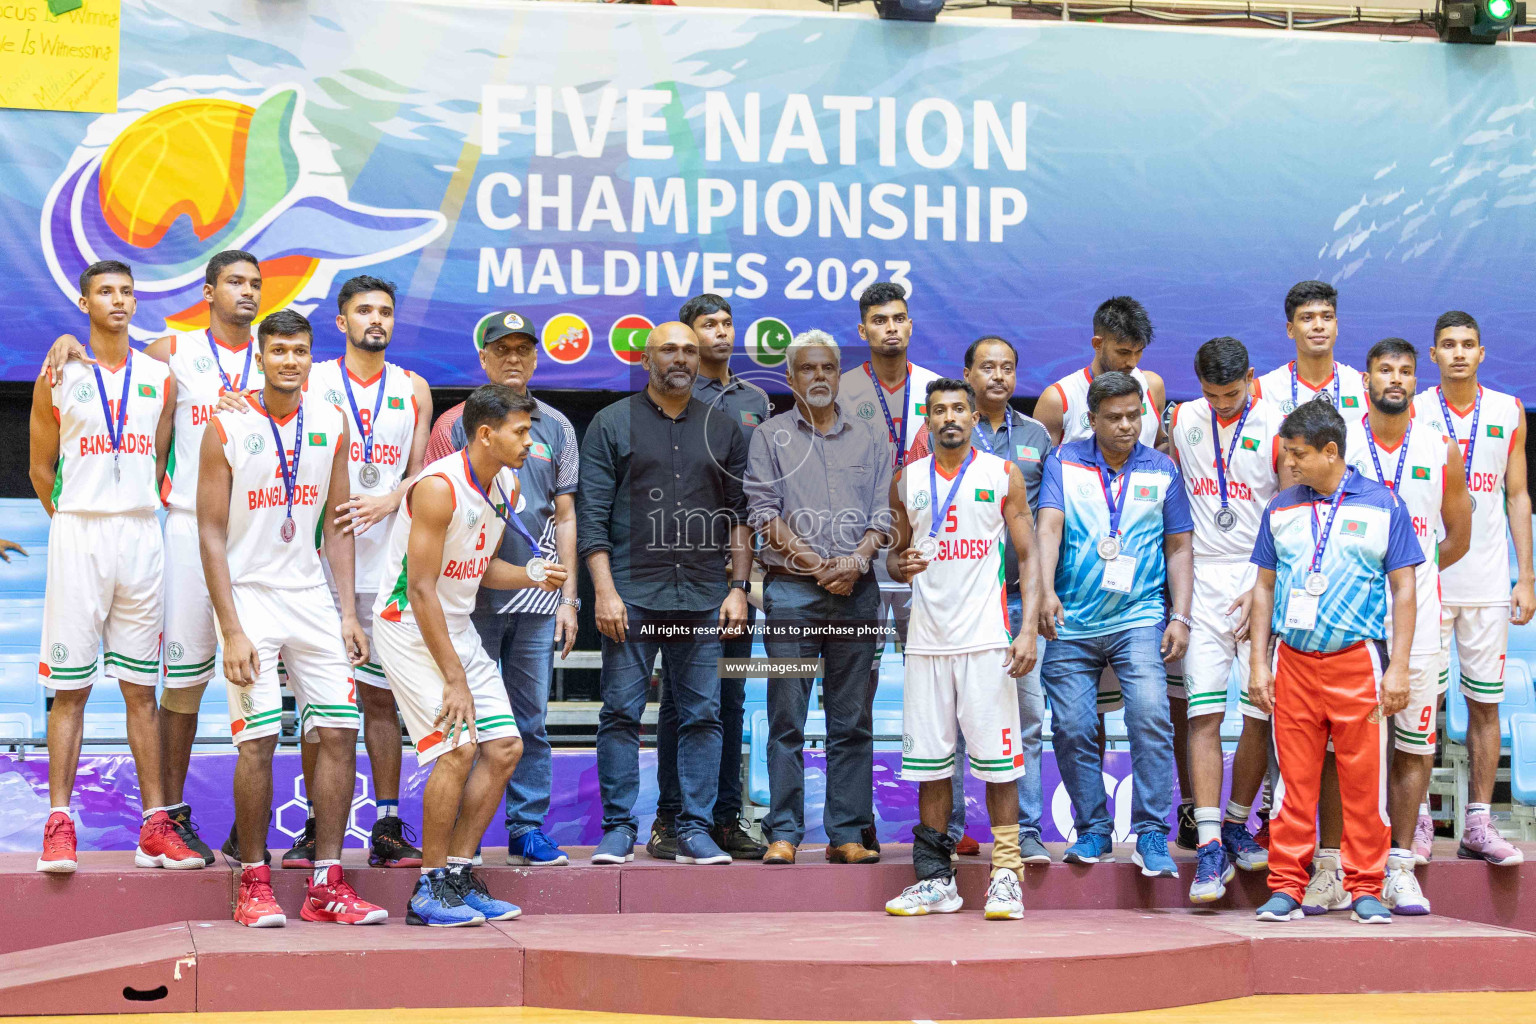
(922,409)
(1145,492)
(316,440)
(1027,452)
(1495,431)
(1353,528)
(1421,472)
(982,495)
(1250,444)
(1351,402)
(147,391)
(751,419)
(540,450)
(397,403)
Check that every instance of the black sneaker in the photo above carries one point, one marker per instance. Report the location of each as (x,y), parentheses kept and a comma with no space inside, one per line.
(737,841)
(231,849)
(303,853)
(868,839)
(390,848)
(181,820)
(663,841)
(1189,835)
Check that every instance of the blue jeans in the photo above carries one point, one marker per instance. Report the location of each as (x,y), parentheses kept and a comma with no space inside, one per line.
(524,644)
(1031,725)
(1071,675)
(690,664)
(733,698)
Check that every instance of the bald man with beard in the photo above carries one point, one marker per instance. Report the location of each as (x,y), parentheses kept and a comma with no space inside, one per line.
(659,508)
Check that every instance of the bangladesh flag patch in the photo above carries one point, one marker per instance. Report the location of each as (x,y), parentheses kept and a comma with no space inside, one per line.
(540,450)
(1421,472)
(1250,444)
(751,419)
(1145,492)
(1495,431)
(1027,452)
(1353,528)
(147,391)
(982,495)
(317,440)
(397,403)
(922,409)
(1351,402)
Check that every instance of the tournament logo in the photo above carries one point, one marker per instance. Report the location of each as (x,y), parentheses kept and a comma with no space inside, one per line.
(1086,424)
(174,652)
(335,397)
(627,338)
(255,444)
(513,322)
(84,393)
(202,364)
(185,170)
(1083,490)
(567,338)
(866,410)
(59,653)
(1194,435)
(471,517)
(1438,426)
(1288,406)
(906,743)
(247,704)
(920,500)
(767,340)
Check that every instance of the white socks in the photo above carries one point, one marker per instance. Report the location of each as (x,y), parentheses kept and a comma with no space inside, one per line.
(323,871)
(1238,812)
(1208,823)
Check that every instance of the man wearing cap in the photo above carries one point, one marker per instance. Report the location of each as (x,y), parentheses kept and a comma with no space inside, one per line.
(521,627)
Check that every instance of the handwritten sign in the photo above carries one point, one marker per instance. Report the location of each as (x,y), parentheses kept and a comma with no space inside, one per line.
(63,61)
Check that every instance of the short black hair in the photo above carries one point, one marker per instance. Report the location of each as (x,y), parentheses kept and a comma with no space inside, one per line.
(355,286)
(1307,292)
(1456,318)
(951,384)
(1113,384)
(880,293)
(1222,361)
(970,353)
(702,305)
(103,267)
(1123,317)
(1316,423)
(1391,347)
(283,323)
(492,403)
(226,258)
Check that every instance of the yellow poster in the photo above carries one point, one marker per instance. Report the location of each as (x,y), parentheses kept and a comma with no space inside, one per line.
(59,54)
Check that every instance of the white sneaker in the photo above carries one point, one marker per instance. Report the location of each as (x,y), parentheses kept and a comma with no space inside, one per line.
(1401,891)
(930,896)
(1325,891)
(1005,897)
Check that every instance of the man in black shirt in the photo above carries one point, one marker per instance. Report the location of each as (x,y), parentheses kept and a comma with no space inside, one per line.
(659,506)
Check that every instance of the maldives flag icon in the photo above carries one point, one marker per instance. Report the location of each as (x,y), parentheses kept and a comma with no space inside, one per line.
(627,338)
(1353,528)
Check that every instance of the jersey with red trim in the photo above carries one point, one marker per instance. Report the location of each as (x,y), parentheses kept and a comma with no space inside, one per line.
(1073,390)
(196,359)
(473,537)
(85,481)
(1275,386)
(391,443)
(857,394)
(1481,576)
(958,602)
(1251,479)
(258,503)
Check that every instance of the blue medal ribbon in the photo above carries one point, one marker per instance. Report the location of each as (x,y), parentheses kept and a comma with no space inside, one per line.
(115,433)
(290,479)
(1222,464)
(1321,543)
(1314,397)
(1402,455)
(939,514)
(245,372)
(511,518)
(906,411)
(366,431)
(1477,410)
(1115,508)
(986,444)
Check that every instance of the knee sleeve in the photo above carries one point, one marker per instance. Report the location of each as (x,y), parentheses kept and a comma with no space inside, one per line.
(931,850)
(184,700)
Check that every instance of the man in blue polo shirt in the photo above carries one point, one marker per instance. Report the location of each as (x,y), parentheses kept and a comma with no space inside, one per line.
(1114,528)
(1328,550)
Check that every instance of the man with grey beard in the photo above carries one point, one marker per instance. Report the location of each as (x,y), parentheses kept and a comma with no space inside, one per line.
(659,506)
(817,480)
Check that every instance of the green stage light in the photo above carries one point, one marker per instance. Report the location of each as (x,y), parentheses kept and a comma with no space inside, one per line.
(1500,10)
(1477,21)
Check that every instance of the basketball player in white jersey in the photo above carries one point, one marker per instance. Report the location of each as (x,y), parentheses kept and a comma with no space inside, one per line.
(99,438)
(1226,447)
(1312,323)
(1121,333)
(1407,454)
(267,476)
(212,368)
(1478,603)
(389,413)
(951,509)
(441,548)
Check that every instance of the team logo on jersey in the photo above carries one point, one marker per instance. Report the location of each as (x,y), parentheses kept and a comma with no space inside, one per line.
(1421,472)
(1145,492)
(906,743)
(334,397)
(59,653)
(84,393)
(472,516)
(522,503)
(920,500)
(1194,435)
(1250,444)
(866,410)
(1086,423)
(174,652)
(1353,528)
(1495,431)
(255,444)
(1083,490)
(985,495)
(247,704)
(202,364)
(1288,406)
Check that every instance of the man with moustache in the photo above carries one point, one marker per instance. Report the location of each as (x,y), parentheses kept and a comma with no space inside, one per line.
(659,506)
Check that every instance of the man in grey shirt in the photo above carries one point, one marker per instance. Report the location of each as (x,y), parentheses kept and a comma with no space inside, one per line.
(817,485)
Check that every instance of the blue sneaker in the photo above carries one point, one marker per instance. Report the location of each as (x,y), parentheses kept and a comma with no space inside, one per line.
(1280,907)
(476,896)
(698,848)
(1152,856)
(1242,849)
(533,849)
(1092,848)
(616,847)
(436,903)
(1212,873)
(1370,910)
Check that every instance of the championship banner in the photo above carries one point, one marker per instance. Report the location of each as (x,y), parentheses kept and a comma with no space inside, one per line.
(592,166)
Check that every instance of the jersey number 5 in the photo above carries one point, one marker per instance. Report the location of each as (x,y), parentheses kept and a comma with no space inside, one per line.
(951,521)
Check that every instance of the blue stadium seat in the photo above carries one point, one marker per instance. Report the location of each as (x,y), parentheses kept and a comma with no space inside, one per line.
(1519,696)
(25,575)
(21,625)
(21,699)
(1456,714)
(24,521)
(1522,758)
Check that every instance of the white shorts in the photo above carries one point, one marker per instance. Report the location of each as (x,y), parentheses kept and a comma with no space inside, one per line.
(104,579)
(1413,728)
(972,690)
(370,672)
(300,626)
(1482,641)
(191,637)
(1213,649)
(418,686)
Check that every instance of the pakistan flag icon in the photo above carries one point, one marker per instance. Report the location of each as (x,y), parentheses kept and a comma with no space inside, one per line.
(767,341)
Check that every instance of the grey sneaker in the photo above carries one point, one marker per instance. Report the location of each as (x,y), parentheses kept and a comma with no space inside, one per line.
(1032,849)
(616,847)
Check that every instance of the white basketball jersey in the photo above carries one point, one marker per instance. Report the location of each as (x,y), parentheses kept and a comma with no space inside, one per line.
(86,481)
(1481,576)
(1345,383)
(1422,455)
(958,602)
(392,392)
(1074,407)
(856,393)
(474,535)
(197,360)
(1250,475)
(258,504)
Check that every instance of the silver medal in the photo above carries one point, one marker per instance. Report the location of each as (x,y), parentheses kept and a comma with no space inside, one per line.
(117,469)
(1316,583)
(1109,548)
(368,475)
(537,569)
(1323,396)
(287,531)
(1226,519)
(1474,504)
(928,547)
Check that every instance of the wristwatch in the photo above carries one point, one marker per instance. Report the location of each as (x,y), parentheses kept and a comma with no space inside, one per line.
(571,602)
(741,585)
(1176,617)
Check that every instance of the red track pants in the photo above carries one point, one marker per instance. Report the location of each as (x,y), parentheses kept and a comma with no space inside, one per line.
(1318,697)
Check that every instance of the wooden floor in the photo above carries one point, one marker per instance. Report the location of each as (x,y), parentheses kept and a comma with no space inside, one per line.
(1447,1008)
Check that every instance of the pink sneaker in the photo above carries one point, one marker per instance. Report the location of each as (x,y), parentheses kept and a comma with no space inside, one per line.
(1480,840)
(1423,839)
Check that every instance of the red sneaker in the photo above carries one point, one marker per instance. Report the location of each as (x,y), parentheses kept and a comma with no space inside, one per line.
(339,902)
(256,907)
(58,845)
(161,846)
(967,847)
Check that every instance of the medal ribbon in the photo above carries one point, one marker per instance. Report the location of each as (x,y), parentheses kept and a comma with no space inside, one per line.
(511,518)
(1115,509)
(290,480)
(378,403)
(115,434)
(939,514)
(906,411)
(1450,428)
(1322,542)
(245,372)
(1335,385)
(1222,464)
(986,444)
(1402,454)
